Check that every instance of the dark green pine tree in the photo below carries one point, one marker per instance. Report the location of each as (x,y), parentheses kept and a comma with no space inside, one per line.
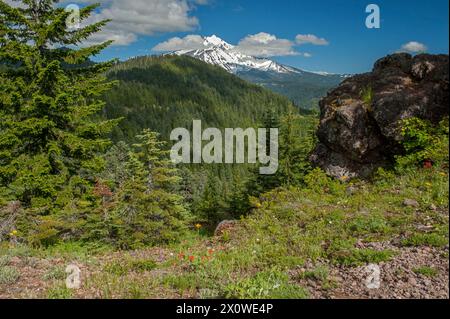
(261,183)
(210,205)
(147,209)
(297,140)
(257,184)
(49,97)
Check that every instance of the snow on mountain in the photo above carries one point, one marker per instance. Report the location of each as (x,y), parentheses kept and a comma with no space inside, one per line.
(225,55)
(323,73)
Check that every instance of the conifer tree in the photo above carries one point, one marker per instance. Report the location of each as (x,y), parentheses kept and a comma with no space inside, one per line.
(297,140)
(148,210)
(210,205)
(261,183)
(49,96)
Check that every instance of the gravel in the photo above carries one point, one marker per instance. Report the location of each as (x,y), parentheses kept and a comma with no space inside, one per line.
(399,278)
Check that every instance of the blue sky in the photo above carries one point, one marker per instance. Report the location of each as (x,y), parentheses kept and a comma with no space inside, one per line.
(350,46)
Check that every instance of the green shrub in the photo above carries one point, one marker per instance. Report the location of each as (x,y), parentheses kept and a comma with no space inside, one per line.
(8,275)
(185,282)
(271,284)
(55,273)
(423,141)
(426,271)
(21,251)
(320,273)
(60,292)
(432,239)
(116,268)
(143,265)
(4,260)
(318,181)
(366,95)
(373,224)
(121,268)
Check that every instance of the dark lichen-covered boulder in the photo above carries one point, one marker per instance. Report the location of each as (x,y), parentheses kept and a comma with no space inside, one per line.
(360,120)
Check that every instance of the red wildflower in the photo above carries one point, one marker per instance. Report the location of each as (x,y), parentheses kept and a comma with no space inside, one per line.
(191,258)
(427,164)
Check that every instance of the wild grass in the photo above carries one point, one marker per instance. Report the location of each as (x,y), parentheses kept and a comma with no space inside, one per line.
(8,275)
(426,271)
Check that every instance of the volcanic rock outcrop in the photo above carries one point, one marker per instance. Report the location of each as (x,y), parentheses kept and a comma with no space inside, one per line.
(360,120)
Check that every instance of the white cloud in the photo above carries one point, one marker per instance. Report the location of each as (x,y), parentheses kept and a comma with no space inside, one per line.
(265,45)
(131,19)
(189,42)
(414,47)
(310,39)
(307,55)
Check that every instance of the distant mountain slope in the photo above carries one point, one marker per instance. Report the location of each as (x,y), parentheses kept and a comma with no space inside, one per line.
(305,89)
(302,87)
(166,92)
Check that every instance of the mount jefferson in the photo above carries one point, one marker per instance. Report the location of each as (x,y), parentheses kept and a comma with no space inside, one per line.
(304,88)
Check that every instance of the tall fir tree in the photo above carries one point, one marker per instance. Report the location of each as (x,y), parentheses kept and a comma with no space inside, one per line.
(297,140)
(50,142)
(147,209)
(258,183)
(210,205)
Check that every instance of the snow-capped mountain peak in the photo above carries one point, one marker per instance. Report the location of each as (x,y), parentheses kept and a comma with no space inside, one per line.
(215,41)
(218,52)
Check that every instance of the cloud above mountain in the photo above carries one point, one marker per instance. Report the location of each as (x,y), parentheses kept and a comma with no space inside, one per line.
(261,44)
(189,42)
(266,45)
(131,19)
(310,39)
(414,47)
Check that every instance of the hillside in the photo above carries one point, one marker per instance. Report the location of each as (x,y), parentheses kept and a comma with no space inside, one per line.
(162,93)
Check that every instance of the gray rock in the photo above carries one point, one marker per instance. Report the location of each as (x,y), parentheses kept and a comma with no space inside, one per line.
(411,203)
(226,225)
(412,281)
(358,135)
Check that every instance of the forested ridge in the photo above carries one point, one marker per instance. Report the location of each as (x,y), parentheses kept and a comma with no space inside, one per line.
(166,92)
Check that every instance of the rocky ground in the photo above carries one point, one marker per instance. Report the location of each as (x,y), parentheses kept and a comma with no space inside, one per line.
(400,278)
